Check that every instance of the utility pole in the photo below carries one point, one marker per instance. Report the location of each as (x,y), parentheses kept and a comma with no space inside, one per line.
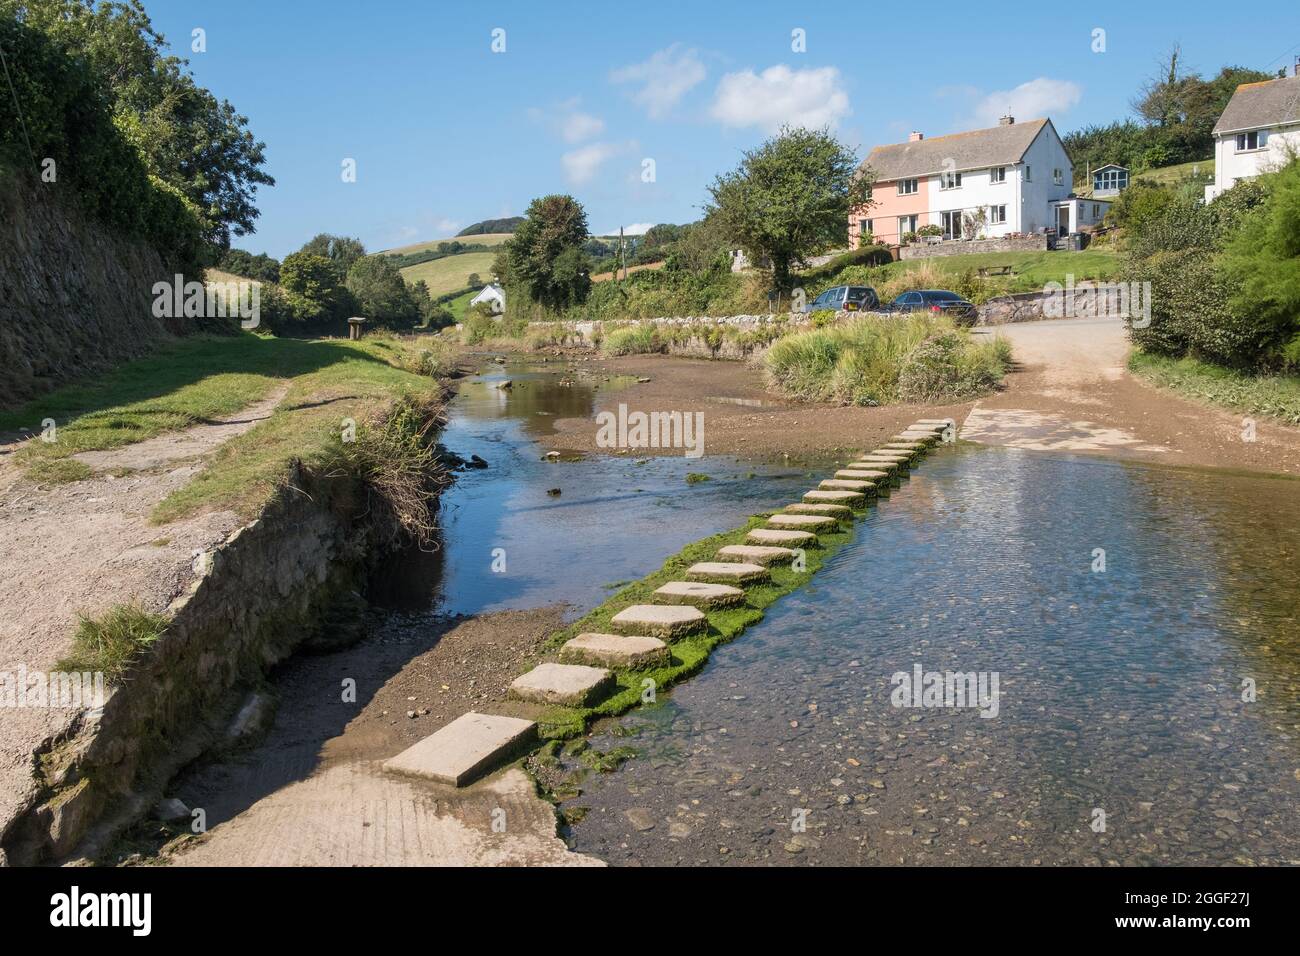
(622,257)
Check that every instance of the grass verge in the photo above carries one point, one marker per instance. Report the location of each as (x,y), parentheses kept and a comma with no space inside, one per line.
(1277,396)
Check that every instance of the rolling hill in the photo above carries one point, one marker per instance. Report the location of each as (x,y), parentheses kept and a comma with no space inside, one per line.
(488,239)
(451,272)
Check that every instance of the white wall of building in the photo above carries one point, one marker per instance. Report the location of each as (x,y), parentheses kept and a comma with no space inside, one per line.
(1230,165)
(1040,191)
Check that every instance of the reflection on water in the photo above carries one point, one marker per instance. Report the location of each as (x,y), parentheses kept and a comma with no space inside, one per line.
(616,518)
(1121,691)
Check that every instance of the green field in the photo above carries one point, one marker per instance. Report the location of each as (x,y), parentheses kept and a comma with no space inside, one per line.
(487,239)
(451,273)
(459,304)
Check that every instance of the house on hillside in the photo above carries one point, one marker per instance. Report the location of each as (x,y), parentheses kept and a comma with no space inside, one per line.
(1017,174)
(1259,128)
(493,295)
(1109,180)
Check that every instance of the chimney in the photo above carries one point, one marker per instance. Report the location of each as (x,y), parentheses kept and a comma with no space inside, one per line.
(1007,121)
(915,137)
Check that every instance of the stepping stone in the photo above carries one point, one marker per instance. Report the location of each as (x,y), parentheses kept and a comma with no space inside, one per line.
(854,499)
(780,538)
(615,650)
(756,554)
(937,423)
(813,508)
(700,594)
(663,621)
(465,749)
(893,454)
(888,466)
(862,474)
(905,445)
(924,439)
(807,522)
(570,684)
(736,572)
(845,484)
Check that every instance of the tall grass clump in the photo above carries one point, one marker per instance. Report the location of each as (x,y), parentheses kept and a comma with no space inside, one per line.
(111,643)
(874,361)
(632,340)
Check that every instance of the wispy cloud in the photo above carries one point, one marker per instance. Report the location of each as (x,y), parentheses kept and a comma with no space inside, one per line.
(1036,98)
(567,121)
(778,96)
(582,164)
(663,79)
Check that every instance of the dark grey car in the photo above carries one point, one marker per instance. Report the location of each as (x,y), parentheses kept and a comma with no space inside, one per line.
(848,298)
(963,313)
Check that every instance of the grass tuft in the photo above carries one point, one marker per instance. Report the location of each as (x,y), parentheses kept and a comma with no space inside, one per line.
(113,642)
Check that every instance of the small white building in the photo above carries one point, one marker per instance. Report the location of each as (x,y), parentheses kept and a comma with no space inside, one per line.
(1257,133)
(493,295)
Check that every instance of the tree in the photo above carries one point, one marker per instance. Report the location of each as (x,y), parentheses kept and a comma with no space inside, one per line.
(342,251)
(790,198)
(544,258)
(381,294)
(187,137)
(473,279)
(315,281)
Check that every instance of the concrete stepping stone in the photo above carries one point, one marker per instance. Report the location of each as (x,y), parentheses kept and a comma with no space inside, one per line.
(756,554)
(782,538)
(631,651)
(465,749)
(814,508)
(847,484)
(734,572)
(700,594)
(887,465)
(573,685)
(837,496)
(862,474)
(806,522)
(897,455)
(905,445)
(939,424)
(664,621)
(924,439)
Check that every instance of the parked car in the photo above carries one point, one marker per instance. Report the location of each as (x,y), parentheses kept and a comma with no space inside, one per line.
(849,298)
(937,300)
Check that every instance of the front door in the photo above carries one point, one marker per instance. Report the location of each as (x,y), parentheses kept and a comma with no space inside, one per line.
(952,224)
(1063,221)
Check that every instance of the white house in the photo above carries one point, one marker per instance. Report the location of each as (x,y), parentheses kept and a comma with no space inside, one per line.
(1018,174)
(493,295)
(1258,131)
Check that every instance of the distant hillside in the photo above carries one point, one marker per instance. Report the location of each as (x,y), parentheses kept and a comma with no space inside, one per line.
(509,224)
(451,273)
(482,239)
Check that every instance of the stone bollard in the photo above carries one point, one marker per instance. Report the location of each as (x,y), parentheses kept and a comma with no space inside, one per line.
(354,327)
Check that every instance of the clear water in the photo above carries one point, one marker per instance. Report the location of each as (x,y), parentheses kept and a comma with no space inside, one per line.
(1120,690)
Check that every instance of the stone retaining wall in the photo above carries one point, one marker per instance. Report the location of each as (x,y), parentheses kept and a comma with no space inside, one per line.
(1036,243)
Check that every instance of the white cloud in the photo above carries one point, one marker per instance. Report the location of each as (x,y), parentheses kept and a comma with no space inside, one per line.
(638,228)
(568,122)
(779,96)
(1037,98)
(582,164)
(663,79)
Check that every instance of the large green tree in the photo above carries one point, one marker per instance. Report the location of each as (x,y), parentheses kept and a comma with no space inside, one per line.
(790,198)
(544,258)
(380,293)
(342,251)
(188,138)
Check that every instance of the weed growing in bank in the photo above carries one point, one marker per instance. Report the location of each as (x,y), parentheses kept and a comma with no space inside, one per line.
(111,643)
(1277,396)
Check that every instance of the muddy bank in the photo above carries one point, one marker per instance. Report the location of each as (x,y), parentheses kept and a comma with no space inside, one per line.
(741,417)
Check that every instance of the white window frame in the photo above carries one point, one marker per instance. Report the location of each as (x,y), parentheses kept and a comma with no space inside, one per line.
(1243,139)
(998,215)
(949,179)
(997,174)
(1058,177)
(903,191)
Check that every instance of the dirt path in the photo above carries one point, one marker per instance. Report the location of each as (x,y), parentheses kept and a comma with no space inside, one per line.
(84,547)
(313,793)
(1072,392)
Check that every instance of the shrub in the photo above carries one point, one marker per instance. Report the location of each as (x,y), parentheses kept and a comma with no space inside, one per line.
(946,367)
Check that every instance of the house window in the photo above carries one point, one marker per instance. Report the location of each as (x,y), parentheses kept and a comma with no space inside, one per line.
(1096,210)
(949,180)
(864,227)
(1112,180)
(952,224)
(998,174)
(1029,170)
(1255,139)
(997,215)
(906,187)
(1058,177)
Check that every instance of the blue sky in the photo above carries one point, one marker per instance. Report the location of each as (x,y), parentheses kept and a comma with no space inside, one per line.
(445,132)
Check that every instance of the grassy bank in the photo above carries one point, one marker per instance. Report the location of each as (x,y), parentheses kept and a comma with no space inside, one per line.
(1277,396)
(874,361)
(203,379)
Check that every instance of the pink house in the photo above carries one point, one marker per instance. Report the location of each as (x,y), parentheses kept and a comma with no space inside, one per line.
(901,206)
